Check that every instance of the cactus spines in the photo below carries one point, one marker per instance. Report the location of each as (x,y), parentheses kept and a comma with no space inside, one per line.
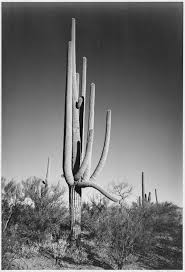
(156,196)
(77,160)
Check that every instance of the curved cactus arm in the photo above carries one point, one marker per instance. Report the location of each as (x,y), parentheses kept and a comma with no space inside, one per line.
(81,170)
(67,168)
(100,189)
(105,148)
(90,126)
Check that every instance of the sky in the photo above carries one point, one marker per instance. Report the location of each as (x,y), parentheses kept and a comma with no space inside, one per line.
(134,57)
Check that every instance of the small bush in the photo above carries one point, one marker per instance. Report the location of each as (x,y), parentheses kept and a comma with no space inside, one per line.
(77,254)
(56,249)
(29,251)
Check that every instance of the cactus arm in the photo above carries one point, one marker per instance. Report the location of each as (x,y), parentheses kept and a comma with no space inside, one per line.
(105,148)
(75,112)
(83,167)
(75,75)
(77,83)
(82,109)
(99,188)
(67,154)
(73,41)
(84,72)
(90,126)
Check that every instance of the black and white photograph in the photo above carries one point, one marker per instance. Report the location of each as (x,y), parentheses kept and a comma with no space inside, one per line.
(92,136)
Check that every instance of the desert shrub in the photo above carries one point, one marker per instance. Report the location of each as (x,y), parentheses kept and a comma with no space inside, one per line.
(93,214)
(77,254)
(48,213)
(168,233)
(30,217)
(29,251)
(11,248)
(120,232)
(124,226)
(44,215)
(161,238)
(56,249)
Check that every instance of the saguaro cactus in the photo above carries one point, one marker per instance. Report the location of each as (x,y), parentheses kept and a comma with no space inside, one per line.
(143,190)
(44,189)
(139,201)
(149,197)
(156,196)
(145,199)
(77,160)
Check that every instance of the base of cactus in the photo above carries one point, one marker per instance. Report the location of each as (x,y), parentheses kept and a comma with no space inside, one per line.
(75,195)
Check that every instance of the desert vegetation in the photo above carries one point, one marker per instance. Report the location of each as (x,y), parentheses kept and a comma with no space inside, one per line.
(36,231)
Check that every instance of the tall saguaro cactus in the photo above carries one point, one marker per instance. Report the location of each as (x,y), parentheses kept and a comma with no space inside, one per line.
(77,158)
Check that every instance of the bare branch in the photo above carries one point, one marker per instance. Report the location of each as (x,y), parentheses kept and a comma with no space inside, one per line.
(121,189)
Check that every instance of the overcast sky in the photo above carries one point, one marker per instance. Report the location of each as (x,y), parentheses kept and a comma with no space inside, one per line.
(134,54)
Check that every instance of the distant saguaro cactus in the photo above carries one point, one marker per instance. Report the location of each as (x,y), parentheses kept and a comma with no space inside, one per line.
(145,200)
(149,197)
(156,196)
(77,160)
(143,190)
(44,188)
(139,201)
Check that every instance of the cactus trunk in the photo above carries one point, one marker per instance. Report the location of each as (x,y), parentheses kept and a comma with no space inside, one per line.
(75,211)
